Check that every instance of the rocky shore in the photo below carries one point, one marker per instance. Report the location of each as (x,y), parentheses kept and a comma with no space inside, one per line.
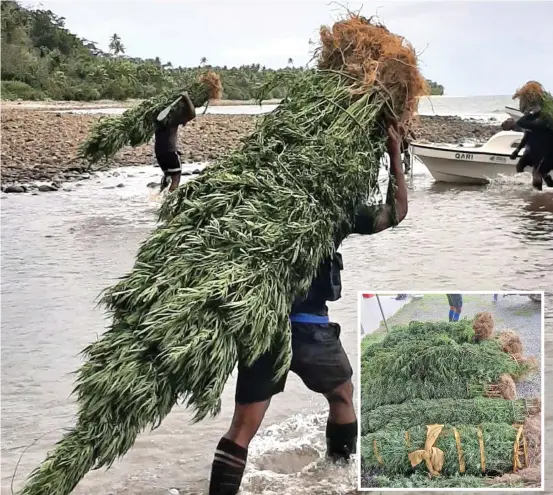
(41,146)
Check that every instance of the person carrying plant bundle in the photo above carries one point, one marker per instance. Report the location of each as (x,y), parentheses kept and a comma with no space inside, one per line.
(455,306)
(538,147)
(166,135)
(537,125)
(246,238)
(318,357)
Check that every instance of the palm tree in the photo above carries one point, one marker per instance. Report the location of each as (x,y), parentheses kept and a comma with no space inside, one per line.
(291,62)
(203,61)
(115,45)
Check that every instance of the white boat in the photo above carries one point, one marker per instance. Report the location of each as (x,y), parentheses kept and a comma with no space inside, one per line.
(513,112)
(470,165)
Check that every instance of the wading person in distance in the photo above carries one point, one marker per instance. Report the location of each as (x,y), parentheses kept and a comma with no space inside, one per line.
(537,142)
(318,357)
(166,137)
(455,306)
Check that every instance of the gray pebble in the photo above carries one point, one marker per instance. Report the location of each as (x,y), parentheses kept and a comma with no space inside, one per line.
(14,189)
(47,188)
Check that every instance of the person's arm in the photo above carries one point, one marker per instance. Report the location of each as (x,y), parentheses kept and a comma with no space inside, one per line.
(187,109)
(521,145)
(372,219)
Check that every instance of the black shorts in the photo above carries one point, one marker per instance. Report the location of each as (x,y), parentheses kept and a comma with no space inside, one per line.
(169,162)
(455,300)
(318,358)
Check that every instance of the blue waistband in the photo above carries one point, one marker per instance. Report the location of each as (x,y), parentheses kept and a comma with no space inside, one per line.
(307,318)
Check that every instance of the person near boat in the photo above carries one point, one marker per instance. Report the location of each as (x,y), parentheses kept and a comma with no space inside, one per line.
(537,142)
(455,306)
(318,357)
(166,138)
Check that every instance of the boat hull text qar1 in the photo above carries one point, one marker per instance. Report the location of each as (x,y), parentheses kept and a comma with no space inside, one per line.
(474,165)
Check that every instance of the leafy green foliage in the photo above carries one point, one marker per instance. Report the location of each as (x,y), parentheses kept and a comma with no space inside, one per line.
(40,52)
(433,368)
(445,411)
(393,445)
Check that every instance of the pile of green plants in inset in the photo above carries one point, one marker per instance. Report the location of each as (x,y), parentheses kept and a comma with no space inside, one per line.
(438,404)
(434,368)
(214,283)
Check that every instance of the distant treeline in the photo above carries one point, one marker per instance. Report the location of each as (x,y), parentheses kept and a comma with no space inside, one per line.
(42,59)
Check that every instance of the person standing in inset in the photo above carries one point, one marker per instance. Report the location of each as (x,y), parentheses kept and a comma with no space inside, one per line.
(455,306)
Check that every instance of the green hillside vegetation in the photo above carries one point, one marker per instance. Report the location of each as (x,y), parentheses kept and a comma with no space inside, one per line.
(42,59)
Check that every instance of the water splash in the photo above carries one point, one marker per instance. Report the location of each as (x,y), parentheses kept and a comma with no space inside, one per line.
(289,458)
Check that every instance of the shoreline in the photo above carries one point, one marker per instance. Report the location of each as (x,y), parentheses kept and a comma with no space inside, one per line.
(40,147)
(103,104)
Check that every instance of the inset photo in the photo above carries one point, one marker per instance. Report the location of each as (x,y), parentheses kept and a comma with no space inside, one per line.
(451,391)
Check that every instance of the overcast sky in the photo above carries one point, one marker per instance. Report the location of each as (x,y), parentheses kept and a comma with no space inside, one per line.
(472,48)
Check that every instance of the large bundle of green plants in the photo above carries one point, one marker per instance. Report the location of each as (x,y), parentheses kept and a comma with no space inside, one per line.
(447,411)
(416,331)
(436,368)
(215,282)
(489,448)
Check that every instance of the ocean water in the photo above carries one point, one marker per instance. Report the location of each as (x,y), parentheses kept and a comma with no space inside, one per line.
(478,107)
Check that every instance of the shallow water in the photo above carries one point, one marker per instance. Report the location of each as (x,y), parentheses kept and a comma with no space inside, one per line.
(59,250)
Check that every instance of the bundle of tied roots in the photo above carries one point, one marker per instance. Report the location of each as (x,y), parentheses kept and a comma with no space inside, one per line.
(136,126)
(216,280)
(533,95)
(438,367)
(485,449)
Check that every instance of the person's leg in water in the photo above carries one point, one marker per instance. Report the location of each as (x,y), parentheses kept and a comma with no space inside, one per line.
(165,181)
(254,389)
(537,179)
(545,168)
(319,359)
(172,170)
(523,162)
